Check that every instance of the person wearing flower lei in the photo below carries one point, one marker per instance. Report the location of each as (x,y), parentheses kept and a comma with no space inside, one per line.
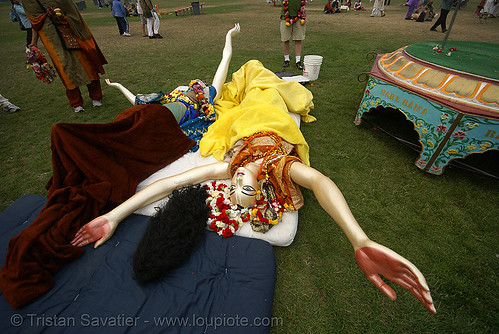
(293,27)
(266,169)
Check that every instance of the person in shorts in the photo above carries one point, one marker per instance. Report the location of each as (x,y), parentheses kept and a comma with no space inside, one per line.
(293,28)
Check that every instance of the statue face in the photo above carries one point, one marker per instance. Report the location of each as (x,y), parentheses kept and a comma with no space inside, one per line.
(244,187)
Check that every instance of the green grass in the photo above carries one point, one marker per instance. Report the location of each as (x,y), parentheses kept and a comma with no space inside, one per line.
(446,225)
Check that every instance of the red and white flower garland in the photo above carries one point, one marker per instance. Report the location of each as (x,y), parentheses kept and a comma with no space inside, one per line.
(225,218)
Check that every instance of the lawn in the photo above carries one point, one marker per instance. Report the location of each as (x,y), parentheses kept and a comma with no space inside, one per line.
(447,225)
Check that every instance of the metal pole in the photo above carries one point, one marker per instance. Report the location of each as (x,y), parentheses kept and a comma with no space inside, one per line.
(451,23)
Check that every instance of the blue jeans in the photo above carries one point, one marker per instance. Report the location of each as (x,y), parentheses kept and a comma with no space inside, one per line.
(122,24)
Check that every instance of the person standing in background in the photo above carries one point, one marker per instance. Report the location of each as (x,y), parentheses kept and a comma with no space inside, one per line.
(24,24)
(120,13)
(378,8)
(102,4)
(143,21)
(71,46)
(152,19)
(293,27)
(445,8)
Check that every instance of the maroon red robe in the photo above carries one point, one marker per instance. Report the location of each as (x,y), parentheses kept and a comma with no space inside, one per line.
(95,167)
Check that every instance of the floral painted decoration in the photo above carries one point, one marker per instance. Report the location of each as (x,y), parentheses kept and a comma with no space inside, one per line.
(42,69)
(301,15)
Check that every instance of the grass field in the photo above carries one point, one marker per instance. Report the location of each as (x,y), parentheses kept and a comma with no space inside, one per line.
(447,225)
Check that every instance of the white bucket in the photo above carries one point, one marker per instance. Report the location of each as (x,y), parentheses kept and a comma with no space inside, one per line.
(312,67)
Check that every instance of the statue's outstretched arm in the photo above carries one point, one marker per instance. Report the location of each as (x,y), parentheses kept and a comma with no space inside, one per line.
(102,228)
(223,67)
(373,258)
(130,97)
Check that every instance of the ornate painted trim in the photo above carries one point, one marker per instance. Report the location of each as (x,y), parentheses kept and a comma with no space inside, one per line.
(439,82)
(444,133)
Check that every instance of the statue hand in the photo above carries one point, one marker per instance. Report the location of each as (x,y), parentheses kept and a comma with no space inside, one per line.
(375,259)
(234,31)
(99,230)
(112,84)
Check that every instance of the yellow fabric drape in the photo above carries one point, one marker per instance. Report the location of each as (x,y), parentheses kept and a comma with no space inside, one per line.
(256,100)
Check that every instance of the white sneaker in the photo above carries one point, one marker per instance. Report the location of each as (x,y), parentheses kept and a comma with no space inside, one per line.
(79,109)
(96,103)
(9,107)
(126,34)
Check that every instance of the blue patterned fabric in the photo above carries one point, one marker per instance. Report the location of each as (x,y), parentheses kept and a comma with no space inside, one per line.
(192,125)
(195,128)
(152,98)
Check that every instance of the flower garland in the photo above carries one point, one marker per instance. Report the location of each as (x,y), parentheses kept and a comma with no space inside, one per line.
(301,15)
(194,107)
(277,205)
(42,69)
(197,86)
(198,89)
(225,218)
(178,96)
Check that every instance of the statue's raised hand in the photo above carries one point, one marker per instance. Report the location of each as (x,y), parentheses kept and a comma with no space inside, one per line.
(235,30)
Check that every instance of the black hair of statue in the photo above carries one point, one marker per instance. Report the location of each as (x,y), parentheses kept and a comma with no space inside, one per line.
(172,234)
